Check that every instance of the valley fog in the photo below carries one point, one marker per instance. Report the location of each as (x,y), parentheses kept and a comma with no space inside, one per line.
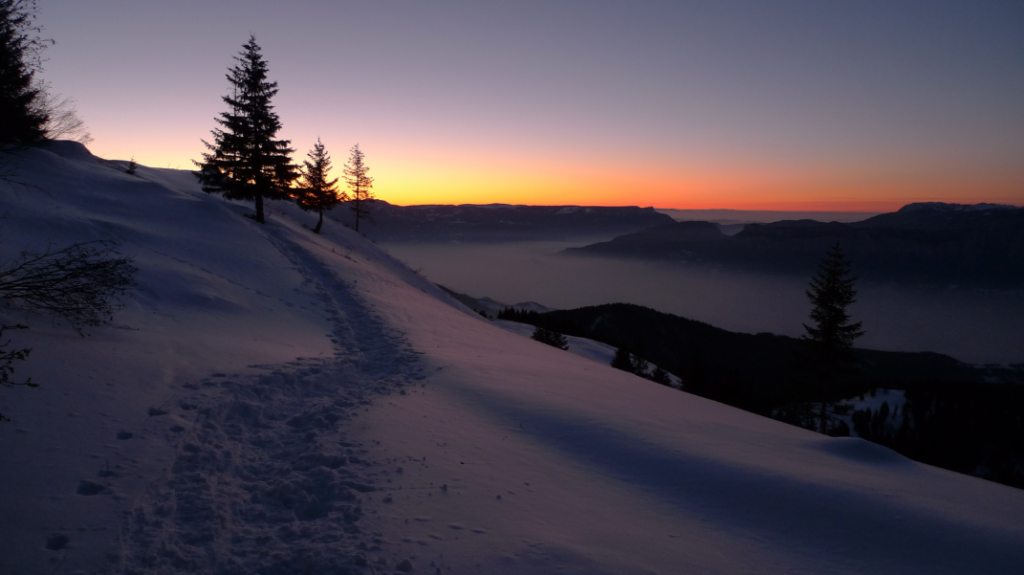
(976,326)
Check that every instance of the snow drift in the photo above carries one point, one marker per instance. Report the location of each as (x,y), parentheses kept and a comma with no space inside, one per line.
(272,401)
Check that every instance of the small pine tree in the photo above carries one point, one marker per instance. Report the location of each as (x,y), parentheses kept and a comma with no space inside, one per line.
(21,122)
(623,360)
(640,365)
(317,193)
(831,338)
(132,167)
(631,362)
(660,376)
(519,315)
(552,338)
(360,183)
(245,161)
(831,291)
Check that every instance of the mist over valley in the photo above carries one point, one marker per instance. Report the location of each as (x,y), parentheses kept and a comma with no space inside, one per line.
(971,324)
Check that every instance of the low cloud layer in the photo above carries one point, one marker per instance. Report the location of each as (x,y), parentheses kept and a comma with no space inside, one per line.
(971,325)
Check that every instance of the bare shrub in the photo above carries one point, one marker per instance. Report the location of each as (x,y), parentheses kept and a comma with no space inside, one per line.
(79,283)
(62,121)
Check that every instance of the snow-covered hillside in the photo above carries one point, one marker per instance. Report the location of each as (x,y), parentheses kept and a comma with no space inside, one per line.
(270,401)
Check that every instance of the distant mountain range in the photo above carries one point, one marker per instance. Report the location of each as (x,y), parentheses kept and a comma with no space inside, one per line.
(499,222)
(977,245)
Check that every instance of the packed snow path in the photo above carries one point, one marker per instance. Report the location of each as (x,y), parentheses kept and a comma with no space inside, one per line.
(265,480)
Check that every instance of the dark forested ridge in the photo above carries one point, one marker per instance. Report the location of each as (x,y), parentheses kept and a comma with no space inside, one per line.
(501,222)
(979,245)
(959,417)
(752,371)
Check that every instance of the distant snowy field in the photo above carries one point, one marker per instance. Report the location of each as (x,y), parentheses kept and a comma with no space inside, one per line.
(271,401)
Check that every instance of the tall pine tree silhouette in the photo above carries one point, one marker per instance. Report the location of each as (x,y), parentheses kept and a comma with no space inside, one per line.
(360,183)
(317,193)
(21,121)
(245,161)
(831,337)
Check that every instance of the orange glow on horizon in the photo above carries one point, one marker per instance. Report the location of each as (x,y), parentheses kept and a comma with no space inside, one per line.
(480,179)
(433,184)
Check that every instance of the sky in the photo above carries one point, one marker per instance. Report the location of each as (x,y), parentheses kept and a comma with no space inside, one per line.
(790,105)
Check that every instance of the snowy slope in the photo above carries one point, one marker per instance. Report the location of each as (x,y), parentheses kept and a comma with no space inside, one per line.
(299,404)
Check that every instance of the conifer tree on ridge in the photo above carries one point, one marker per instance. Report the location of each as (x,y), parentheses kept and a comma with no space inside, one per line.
(831,338)
(361,184)
(316,193)
(831,290)
(245,161)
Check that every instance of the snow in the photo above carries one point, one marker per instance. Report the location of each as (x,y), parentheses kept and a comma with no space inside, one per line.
(272,401)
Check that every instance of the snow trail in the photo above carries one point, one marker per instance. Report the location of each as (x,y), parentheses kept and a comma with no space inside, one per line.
(266,480)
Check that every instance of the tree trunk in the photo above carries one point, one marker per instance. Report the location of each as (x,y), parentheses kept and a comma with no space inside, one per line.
(259,208)
(320,223)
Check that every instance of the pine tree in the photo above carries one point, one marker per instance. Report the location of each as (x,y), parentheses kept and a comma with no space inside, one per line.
(21,122)
(660,376)
(623,360)
(316,193)
(132,167)
(245,162)
(831,338)
(360,183)
(631,362)
(831,291)
(640,365)
(552,338)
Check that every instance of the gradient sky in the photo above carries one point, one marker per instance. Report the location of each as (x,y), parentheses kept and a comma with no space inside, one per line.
(819,105)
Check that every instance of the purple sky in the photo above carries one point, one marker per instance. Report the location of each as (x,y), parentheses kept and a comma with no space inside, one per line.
(848,105)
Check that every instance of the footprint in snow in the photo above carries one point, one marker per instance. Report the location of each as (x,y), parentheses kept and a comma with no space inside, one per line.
(86,487)
(57,541)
